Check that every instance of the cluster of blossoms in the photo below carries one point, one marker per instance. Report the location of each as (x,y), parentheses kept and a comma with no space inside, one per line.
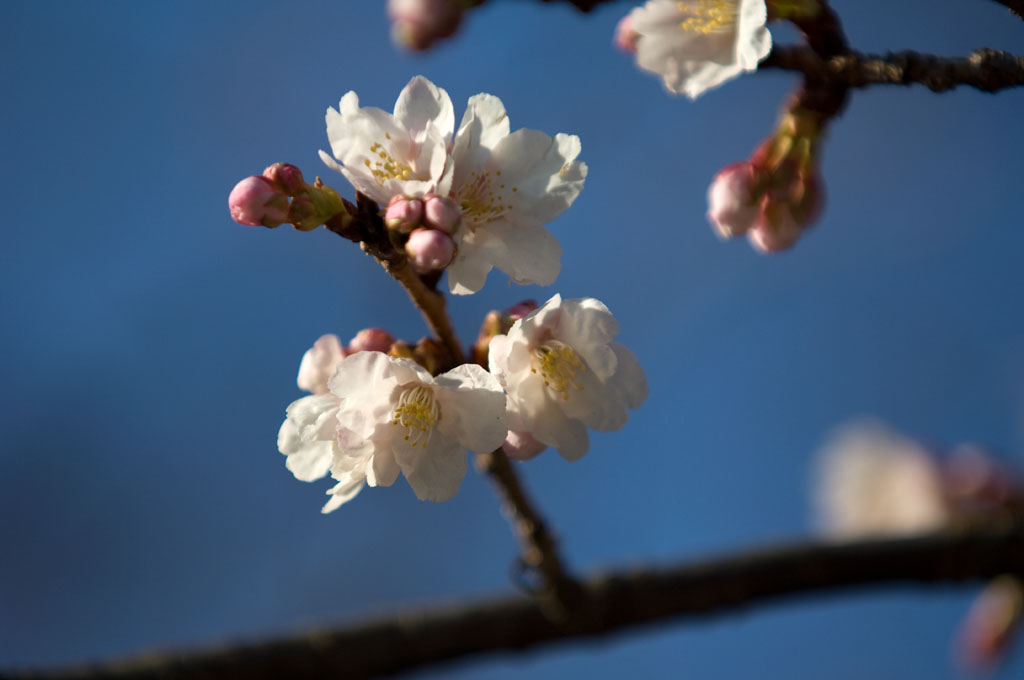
(373,415)
(469,200)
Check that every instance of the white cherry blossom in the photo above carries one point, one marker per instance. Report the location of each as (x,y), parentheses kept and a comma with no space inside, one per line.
(404,153)
(872,481)
(395,417)
(508,186)
(695,45)
(564,373)
(319,363)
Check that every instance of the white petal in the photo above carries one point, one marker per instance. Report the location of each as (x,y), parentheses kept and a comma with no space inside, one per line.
(307,461)
(468,273)
(472,408)
(546,422)
(483,125)
(542,170)
(629,379)
(434,472)
(523,249)
(342,493)
(422,105)
(587,326)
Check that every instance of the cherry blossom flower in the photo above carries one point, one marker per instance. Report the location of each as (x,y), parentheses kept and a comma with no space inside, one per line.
(695,45)
(308,436)
(564,373)
(508,186)
(405,153)
(395,417)
(873,481)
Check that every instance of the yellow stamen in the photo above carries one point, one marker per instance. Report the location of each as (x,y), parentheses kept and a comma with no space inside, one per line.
(417,412)
(708,16)
(387,167)
(559,366)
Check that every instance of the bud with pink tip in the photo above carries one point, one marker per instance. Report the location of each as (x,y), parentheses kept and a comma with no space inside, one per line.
(286,178)
(441,213)
(371,340)
(403,214)
(732,203)
(418,24)
(991,624)
(522,446)
(254,202)
(626,36)
(517,312)
(787,213)
(429,250)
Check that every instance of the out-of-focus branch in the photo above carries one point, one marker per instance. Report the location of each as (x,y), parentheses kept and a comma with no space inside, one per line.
(614,602)
(984,69)
(582,5)
(1016,6)
(557,592)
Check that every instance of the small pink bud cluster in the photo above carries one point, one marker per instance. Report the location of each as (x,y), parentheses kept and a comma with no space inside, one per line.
(776,195)
(418,24)
(263,200)
(430,221)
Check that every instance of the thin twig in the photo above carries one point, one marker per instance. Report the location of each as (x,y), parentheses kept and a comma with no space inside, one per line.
(429,302)
(616,602)
(984,69)
(558,592)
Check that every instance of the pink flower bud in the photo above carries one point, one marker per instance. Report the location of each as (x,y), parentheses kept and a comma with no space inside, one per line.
(991,624)
(286,178)
(429,250)
(441,213)
(418,24)
(520,309)
(522,446)
(403,214)
(626,36)
(254,202)
(371,340)
(775,228)
(732,206)
(319,363)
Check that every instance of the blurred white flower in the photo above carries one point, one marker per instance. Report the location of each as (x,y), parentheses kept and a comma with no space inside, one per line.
(695,45)
(405,153)
(872,481)
(564,373)
(508,187)
(395,417)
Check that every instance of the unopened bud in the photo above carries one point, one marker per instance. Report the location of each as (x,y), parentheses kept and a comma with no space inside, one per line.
(403,214)
(314,207)
(319,363)
(401,350)
(429,250)
(255,202)
(732,205)
(418,24)
(626,36)
(517,312)
(286,178)
(431,355)
(991,623)
(371,340)
(441,213)
(522,446)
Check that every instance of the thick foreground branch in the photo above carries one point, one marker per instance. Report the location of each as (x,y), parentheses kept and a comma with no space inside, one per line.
(614,602)
(984,69)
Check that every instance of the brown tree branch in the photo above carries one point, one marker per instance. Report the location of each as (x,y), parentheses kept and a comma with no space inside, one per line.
(558,592)
(1016,6)
(615,602)
(984,69)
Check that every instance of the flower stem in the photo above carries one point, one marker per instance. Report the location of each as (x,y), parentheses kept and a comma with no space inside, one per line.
(430,303)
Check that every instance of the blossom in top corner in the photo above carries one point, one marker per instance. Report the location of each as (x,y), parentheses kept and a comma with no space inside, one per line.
(389,154)
(508,186)
(695,45)
(564,373)
(394,417)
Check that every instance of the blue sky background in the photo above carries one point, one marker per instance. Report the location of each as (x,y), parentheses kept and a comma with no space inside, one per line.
(149,345)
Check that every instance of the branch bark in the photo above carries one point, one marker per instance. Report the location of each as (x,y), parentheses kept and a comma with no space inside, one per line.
(1015,6)
(615,602)
(984,69)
